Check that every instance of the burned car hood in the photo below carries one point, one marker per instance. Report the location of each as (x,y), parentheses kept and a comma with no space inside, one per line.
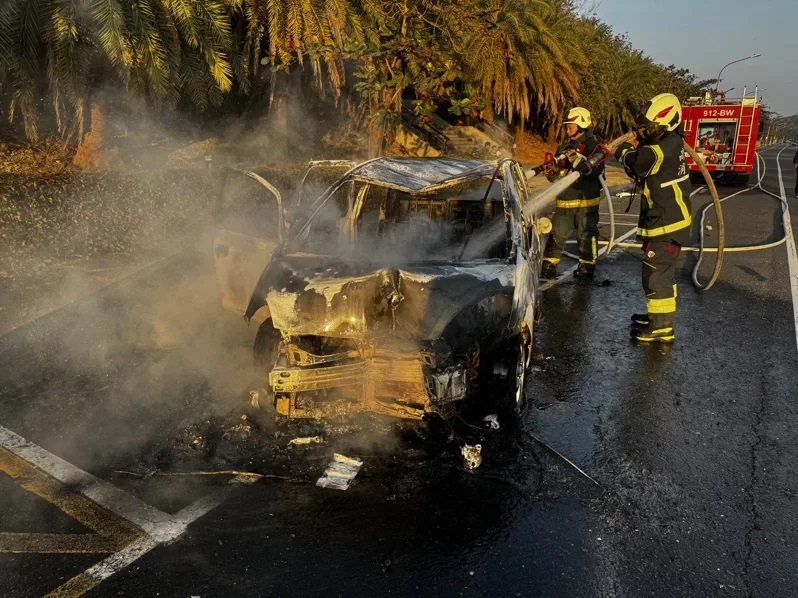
(312,295)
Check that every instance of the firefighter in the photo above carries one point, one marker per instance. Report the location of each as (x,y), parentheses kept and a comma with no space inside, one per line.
(578,206)
(656,160)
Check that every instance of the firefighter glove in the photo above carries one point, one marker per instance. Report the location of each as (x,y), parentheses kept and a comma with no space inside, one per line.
(620,155)
(624,149)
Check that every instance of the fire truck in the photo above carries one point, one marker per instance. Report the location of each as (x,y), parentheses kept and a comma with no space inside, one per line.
(724,132)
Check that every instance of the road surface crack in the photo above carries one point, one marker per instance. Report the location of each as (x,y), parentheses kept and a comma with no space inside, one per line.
(750,489)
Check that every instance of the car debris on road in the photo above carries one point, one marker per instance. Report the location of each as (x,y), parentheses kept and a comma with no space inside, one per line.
(340,472)
(304,440)
(472,456)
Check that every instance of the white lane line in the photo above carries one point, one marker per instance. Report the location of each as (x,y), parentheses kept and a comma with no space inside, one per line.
(630,222)
(626,235)
(205,504)
(792,253)
(158,526)
(107,567)
(99,572)
(106,495)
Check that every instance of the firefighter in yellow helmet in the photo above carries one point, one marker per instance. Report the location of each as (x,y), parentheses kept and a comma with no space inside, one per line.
(578,206)
(656,160)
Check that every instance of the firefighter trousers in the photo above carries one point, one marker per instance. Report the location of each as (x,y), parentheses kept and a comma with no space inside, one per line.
(585,221)
(659,270)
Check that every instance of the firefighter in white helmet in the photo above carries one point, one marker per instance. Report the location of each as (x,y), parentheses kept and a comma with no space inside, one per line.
(578,206)
(656,160)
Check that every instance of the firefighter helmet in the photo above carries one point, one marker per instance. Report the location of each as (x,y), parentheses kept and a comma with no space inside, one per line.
(663,110)
(580,117)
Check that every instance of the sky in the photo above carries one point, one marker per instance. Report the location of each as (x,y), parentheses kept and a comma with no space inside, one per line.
(703,35)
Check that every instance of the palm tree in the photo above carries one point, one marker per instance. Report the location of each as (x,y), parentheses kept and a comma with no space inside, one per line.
(528,59)
(507,49)
(615,80)
(286,34)
(164,48)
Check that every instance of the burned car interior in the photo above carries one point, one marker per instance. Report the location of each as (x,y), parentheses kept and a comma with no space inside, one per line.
(405,288)
(396,225)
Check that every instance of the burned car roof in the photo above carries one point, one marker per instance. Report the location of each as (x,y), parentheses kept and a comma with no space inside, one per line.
(421,175)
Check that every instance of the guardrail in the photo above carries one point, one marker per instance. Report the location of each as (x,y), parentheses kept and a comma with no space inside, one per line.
(426,131)
(506,139)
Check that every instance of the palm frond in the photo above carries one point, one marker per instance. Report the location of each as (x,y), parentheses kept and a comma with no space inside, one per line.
(109,27)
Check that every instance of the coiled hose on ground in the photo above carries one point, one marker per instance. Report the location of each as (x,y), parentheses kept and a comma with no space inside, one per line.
(701,249)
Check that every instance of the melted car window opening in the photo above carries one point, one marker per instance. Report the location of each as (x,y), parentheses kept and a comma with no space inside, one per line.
(392,225)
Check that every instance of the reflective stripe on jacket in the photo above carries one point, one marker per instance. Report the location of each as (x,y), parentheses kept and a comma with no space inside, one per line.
(665,202)
(578,203)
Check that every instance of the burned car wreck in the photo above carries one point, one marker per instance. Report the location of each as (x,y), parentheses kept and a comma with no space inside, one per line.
(406,288)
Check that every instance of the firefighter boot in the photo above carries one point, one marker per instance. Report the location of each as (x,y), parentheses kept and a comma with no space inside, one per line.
(549,270)
(640,320)
(659,330)
(585,271)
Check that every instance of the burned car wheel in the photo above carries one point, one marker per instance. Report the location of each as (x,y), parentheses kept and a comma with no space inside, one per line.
(267,343)
(265,350)
(518,365)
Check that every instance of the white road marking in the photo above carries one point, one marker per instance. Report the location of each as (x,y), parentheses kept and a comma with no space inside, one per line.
(108,496)
(122,559)
(792,253)
(115,563)
(631,222)
(626,235)
(159,527)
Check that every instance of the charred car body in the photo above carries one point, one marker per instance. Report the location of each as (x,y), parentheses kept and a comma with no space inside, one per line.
(408,286)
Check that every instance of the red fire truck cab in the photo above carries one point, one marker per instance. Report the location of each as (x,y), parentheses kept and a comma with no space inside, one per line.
(724,132)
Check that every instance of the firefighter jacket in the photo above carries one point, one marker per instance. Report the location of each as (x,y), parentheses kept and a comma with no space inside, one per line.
(665,202)
(586,190)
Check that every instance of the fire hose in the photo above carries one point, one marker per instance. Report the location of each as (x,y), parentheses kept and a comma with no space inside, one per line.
(721,226)
(566,181)
(737,249)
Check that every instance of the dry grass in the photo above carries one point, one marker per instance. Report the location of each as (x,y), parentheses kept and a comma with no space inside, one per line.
(531,149)
(44,160)
(194,154)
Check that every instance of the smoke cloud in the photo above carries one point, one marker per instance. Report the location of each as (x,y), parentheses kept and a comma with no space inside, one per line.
(110,315)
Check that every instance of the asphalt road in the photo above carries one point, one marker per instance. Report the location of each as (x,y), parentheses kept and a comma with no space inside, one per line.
(693,447)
